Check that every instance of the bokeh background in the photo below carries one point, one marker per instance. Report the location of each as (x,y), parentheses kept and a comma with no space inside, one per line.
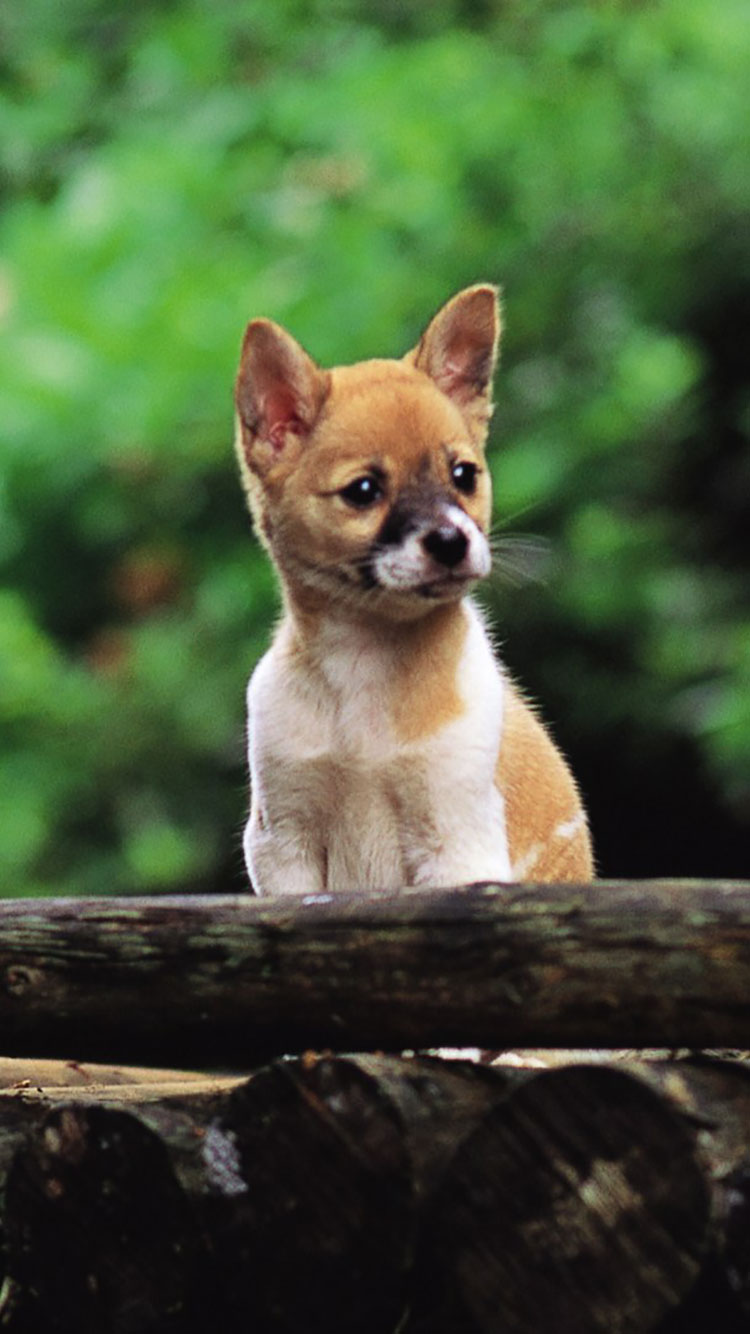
(168,171)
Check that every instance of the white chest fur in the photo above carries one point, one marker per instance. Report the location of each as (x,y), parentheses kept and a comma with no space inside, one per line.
(339,802)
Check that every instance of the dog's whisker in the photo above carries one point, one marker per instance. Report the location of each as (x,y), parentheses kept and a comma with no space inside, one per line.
(521,558)
(501,523)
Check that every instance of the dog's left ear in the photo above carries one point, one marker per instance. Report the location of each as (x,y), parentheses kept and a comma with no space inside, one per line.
(458,350)
(279,393)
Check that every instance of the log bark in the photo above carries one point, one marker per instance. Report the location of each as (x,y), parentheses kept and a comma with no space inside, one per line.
(239,980)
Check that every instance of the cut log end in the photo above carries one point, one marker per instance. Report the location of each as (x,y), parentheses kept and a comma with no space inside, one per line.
(578,1205)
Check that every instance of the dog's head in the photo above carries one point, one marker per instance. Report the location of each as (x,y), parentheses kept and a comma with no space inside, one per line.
(368,483)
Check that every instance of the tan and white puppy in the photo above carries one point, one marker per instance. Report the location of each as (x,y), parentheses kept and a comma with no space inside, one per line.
(387,745)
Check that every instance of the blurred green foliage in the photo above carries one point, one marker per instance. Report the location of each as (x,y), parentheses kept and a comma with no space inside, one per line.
(168,171)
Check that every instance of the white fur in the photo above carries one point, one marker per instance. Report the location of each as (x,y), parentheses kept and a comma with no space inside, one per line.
(404,567)
(524,865)
(339,802)
(569,828)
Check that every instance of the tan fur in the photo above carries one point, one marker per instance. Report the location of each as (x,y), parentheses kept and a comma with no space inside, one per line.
(548,835)
(424,693)
(378,411)
(386,746)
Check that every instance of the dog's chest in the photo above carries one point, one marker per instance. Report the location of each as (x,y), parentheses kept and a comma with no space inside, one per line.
(332,780)
(325,743)
(331,775)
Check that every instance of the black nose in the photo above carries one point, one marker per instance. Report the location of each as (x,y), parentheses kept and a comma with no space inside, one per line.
(446,544)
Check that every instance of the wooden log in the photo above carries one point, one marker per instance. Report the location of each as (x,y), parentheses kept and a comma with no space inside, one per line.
(77,1176)
(590,1197)
(100,1235)
(578,1205)
(734,1252)
(296,1194)
(711,1307)
(177,1106)
(238,980)
(714,1097)
(29,1076)
(336,1154)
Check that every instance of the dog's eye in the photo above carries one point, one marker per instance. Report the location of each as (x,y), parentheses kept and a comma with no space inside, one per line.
(363,491)
(465,477)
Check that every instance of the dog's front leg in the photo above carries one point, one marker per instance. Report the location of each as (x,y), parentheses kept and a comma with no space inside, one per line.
(454,830)
(284,861)
(462,863)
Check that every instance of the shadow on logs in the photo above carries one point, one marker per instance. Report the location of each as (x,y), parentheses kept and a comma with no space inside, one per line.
(366,1194)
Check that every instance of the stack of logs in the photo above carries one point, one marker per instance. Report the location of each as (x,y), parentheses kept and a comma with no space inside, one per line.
(371,1194)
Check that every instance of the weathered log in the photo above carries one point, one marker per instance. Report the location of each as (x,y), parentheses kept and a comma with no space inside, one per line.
(21,1075)
(79,1177)
(578,1205)
(337,1154)
(100,1235)
(175,1104)
(711,1307)
(714,1096)
(238,980)
(734,1253)
(585,1198)
(297,1195)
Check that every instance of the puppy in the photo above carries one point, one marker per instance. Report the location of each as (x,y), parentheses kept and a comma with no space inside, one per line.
(387,745)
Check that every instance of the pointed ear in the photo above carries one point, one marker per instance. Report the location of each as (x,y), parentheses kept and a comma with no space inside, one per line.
(278,393)
(458,350)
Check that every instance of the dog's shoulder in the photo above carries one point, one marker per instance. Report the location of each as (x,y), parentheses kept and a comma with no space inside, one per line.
(547,829)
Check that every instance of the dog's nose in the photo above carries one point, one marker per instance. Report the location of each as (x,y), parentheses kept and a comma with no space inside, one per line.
(446,544)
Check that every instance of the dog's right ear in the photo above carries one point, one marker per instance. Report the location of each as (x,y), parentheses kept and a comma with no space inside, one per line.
(458,350)
(278,394)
